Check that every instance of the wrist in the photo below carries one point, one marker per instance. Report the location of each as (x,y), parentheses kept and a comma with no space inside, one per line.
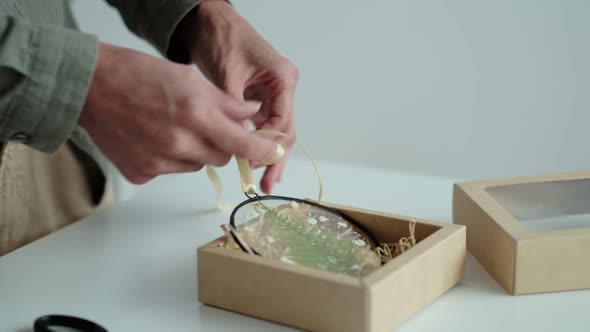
(197,20)
(102,59)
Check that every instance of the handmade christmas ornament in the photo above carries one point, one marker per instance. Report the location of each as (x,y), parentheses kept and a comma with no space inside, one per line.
(304,232)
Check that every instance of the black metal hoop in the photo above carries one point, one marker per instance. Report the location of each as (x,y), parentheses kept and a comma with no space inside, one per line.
(298,200)
(44,324)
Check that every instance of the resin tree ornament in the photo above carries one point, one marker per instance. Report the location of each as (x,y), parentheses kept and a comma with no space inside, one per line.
(298,231)
(302,232)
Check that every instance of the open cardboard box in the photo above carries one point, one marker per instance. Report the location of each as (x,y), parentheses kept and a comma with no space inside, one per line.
(532,234)
(320,300)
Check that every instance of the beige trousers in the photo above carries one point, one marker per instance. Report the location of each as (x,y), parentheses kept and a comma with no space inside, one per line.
(41,193)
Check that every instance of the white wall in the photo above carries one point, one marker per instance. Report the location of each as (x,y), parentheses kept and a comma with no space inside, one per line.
(466,88)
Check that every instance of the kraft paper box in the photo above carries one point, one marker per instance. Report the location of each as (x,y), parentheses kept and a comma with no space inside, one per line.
(318,300)
(532,234)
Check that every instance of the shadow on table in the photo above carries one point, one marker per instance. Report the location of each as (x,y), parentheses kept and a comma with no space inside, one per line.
(478,280)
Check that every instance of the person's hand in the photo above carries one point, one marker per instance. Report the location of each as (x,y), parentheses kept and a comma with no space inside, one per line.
(238,60)
(150,117)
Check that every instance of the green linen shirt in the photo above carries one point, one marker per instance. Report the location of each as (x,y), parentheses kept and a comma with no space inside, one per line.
(46,65)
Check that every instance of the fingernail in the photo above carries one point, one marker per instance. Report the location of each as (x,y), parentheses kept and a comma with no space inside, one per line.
(254,105)
(276,156)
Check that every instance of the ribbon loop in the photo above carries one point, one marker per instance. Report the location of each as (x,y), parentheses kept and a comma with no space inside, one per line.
(246,177)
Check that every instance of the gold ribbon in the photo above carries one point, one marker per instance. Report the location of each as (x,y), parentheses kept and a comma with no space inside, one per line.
(246,177)
(217,184)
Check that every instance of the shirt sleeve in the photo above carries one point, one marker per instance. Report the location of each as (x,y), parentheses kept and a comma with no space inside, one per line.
(45,73)
(155,21)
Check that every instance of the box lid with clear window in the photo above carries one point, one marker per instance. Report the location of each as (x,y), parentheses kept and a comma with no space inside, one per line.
(532,234)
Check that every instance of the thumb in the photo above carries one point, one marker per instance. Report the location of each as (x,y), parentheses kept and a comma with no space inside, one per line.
(242,110)
(234,87)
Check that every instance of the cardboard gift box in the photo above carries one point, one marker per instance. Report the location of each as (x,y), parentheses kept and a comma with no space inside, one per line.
(319,300)
(532,234)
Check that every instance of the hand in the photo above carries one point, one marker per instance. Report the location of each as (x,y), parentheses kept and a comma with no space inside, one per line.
(238,60)
(151,117)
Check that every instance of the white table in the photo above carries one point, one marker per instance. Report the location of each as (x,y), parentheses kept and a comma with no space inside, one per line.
(133,267)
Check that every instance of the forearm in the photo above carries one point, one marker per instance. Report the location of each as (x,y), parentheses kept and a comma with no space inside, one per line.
(45,73)
(156,21)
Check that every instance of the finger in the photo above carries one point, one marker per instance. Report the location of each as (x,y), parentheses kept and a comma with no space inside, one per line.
(285,142)
(160,166)
(134,176)
(241,111)
(272,175)
(274,172)
(204,153)
(183,166)
(272,118)
(256,92)
(138,179)
(187,146)
(245,124)
(281,110)
(234,87)
(132,164)
(210,155)
(230,137)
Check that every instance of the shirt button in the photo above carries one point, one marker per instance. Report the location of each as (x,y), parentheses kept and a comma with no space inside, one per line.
(20,137)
